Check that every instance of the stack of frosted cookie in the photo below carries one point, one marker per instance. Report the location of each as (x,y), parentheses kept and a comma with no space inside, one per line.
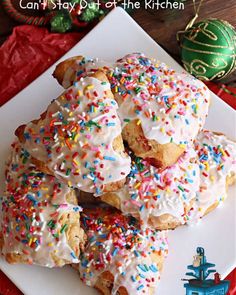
(115,161)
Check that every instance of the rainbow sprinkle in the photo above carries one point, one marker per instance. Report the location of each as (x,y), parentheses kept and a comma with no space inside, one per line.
(117,244)
(76,140)
(32,210)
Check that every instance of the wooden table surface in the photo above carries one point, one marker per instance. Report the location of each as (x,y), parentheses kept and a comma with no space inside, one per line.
(161,25)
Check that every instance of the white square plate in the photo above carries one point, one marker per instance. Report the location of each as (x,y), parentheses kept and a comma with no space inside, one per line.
(114,37)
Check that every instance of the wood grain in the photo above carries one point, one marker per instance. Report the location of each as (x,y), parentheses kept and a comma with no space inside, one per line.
(161,24)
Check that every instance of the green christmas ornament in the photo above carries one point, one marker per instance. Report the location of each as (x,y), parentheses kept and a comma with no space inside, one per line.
(208,49)
(61,22)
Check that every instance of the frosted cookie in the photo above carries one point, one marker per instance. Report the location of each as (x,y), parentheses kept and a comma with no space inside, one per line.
(216,156)
(40,218)
(72,69)
(161,111)
(119,257)
(78,139)
(158,198)
(65,72)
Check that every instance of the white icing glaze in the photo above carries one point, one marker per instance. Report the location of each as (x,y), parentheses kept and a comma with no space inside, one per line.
(171,107)
(75,139)
(217,160)
(32,206)
(116,244)
(82,68)
(150,192)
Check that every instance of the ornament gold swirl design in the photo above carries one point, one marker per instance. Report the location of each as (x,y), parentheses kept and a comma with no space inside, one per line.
(208,49)
(203,29)
(208,52)
(199,68)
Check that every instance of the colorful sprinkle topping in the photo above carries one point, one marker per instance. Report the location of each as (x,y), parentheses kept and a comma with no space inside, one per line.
(217,162)
(117,244)
(36,213)
(75,139)
(164,102)
(151,193)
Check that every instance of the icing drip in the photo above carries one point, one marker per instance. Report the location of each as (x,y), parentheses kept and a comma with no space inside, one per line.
(32,207)
(217,161)
(75,140)
(150,192)
(116,244)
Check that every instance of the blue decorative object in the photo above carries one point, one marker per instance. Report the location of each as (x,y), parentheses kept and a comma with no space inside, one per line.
(200,285)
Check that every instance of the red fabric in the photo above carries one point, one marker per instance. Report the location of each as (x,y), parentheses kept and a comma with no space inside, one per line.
(232,278)
(7,287)
(227,97)
(27,53)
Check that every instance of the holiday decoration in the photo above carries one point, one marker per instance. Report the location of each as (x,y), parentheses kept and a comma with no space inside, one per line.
(200,285)
(61,22)
(18,16)
(62,15)
(208,49)
(91,12)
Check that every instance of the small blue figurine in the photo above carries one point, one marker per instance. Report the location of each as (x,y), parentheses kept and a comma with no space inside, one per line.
(200,285)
